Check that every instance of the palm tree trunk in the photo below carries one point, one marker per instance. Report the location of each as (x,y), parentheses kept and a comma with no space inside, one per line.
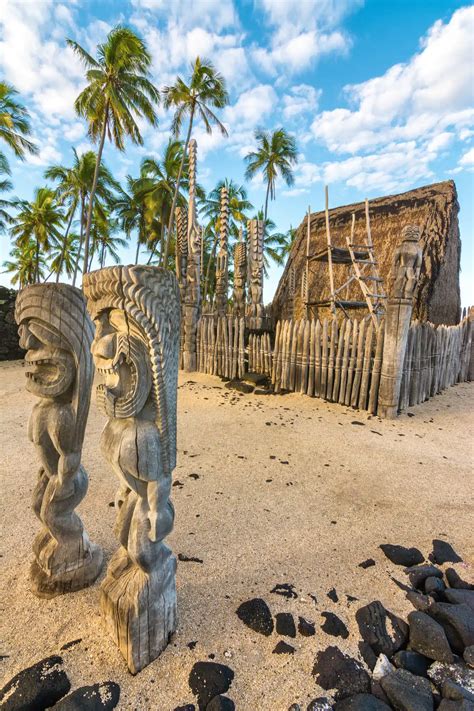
(176,192)
(63,251)
(266,206)
(94,186)
(81,239)
(162,239)
(37,277)
(102,256)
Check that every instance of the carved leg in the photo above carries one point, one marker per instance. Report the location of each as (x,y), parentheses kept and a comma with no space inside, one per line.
(65,558)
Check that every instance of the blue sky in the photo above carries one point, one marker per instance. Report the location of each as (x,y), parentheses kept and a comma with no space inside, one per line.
(379,94)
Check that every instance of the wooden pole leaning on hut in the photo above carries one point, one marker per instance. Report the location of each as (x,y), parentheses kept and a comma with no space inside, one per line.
(406,272)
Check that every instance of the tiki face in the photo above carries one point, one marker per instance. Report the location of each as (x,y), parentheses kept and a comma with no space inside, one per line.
(50,367)
(121,356)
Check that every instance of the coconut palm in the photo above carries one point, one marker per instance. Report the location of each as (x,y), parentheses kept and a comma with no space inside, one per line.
(205,88)
(24,265)
(64,256)
(118,92)
(239,206)
(5,186)
(105,241)
(275,155)
(14,125)
(41,219)
(130,208)
(74,186)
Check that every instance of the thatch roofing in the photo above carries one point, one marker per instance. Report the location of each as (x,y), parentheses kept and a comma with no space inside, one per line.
(434,208)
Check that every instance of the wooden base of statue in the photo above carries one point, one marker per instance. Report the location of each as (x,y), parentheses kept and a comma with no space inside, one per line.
(139,609)
(86,572)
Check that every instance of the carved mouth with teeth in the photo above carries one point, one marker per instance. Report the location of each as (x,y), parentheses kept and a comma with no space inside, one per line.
(48,376)
(119,386)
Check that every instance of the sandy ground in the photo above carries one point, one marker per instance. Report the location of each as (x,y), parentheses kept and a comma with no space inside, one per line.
(290,490)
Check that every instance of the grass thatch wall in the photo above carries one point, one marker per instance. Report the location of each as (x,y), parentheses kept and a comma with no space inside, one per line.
(433,208)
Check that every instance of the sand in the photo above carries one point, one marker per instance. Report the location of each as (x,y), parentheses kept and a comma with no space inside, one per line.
(290,490)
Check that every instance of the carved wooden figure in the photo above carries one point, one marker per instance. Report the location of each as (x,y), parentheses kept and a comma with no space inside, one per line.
(137,312)
(222,262)
(193,276)
(181,220)
(56,332)
(240,276)
(255,272)
(406,271)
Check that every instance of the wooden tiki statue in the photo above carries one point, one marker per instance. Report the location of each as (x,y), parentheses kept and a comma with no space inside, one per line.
(255,273)
(240,276)
(56,332)
(222,264)
(136,311)
(193,276)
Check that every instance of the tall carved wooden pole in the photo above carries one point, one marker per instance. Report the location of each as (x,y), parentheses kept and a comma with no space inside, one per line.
(255,271)
(136,311)
(181,220)
(406,271)
(193,277)
(240,275)
(57,332)
(222,266)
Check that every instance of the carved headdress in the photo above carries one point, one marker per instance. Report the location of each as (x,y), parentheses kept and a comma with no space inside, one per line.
(149,296)
(60,311)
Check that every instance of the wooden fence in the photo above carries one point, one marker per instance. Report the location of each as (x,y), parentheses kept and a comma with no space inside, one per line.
(436,357)
(221,346)
(338,362)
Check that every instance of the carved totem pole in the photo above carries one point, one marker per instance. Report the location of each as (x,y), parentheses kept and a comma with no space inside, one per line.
(193,277)
(255,272)
(136,311)
(222,265)
(57,332)
(406,271)
(181,220)
(240,276)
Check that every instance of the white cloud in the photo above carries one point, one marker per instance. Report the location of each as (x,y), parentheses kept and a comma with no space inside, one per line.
(467,160)
(301,99)
(213,14)
(430,93)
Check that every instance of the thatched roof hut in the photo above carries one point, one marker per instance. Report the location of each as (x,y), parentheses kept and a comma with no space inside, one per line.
(434,208)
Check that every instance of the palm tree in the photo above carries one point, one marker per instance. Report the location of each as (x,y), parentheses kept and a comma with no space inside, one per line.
(40,220)
(74,188)
(5,186)
(64,257)
(205,88)
(239,205)
(118,91)
(104,240)
(14,125)
(130,207)
(25,266)
(276,154)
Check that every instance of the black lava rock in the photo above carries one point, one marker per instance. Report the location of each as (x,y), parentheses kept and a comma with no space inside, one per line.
(99,697)
(361,702)
(401,555)
(285,590)
(332,595)
(418,600)
(456,692)
(419,573)
(463,705)
(407,691)
(36,688)
(209,679)
(468,656)
(256,614)
(187,707)
(443,552)
(385,632)
(239,386)
(306,628)
(455,581)
(368,655)
(428,637)
(412,661)
(283,648)
(434,585)
(459,597)
(335,670)
(334,625)
(285,624)
(320,704)
(367,563)
(457,672)
(458,623)
(221,703)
